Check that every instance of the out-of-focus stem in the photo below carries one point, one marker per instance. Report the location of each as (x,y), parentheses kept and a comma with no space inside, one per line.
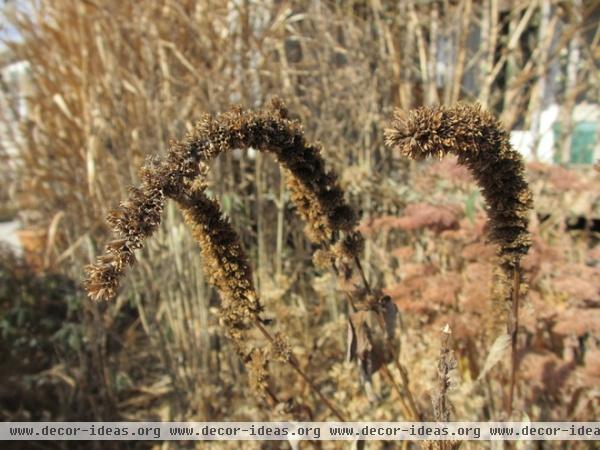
(414,412)
(280,219)
(293,361)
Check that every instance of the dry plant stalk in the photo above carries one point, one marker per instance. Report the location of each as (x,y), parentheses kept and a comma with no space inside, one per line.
(181,176)
(314,190)
(446,364)
(482,145)
(370,353)
(229,271)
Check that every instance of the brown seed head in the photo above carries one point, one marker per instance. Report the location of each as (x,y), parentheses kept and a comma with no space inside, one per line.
(480,143)
(225,262)
(314,190)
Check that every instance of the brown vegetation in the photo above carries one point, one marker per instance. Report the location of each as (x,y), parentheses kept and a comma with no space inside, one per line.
(111,82)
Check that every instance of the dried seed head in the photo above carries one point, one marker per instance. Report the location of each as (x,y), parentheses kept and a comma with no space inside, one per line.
(132,222)
(323,259)
(480,143)
(280,348)
(353,244)
(136,219)
(314,191)
(224,259)
(181,175)
(258,373)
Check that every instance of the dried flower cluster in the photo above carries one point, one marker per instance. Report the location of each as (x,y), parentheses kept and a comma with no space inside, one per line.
(480,143)
(138,218)
(258,372)
(280,349)
(224,260)
(182,177)
(134,220)
(314,190)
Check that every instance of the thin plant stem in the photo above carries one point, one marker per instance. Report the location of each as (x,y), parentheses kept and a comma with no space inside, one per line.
(272,396)
(514,333)
(362,274)
(414,412)
(406,409)
(293,361)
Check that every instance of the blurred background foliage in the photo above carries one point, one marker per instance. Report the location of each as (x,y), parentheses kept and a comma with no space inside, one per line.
(106,83)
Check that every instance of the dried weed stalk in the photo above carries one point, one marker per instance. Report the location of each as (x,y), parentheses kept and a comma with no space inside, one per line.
(314,190)
(482,145)
(446,365)
(182,175)
(371,351)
